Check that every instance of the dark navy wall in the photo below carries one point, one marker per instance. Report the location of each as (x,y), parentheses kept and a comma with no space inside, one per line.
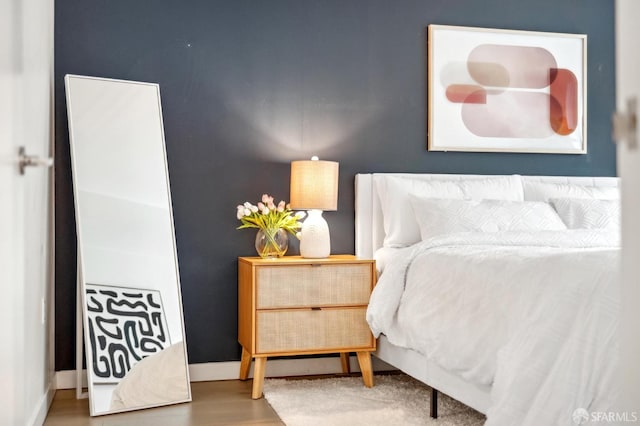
(247,86)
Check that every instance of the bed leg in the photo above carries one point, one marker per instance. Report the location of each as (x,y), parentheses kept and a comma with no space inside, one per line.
(434,404)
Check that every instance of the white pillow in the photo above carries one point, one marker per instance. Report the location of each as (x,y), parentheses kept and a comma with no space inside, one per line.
(588,213)
(438,217)
(400,225)
(544,191)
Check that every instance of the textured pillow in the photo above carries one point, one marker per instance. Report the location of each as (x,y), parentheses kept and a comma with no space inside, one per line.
(438,217)
(544,191)
(400,225)
(588,213)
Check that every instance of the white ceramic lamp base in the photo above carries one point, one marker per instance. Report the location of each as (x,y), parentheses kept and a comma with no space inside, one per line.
(315,242)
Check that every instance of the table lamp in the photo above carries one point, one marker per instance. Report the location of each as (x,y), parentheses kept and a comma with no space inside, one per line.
(314,187)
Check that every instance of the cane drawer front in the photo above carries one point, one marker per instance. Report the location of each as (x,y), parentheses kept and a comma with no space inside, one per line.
(319,329)
(285,286)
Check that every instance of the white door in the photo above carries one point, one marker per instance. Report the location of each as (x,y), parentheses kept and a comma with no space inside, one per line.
(628,85)
(26,59)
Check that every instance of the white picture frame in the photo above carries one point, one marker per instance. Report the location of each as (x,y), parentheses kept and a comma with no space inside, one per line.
(493,90)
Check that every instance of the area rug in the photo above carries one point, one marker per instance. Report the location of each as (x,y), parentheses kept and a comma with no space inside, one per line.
(394,400)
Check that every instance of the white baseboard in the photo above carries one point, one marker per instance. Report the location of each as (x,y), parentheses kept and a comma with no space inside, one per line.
(66,379)
(39,414)
(229,370)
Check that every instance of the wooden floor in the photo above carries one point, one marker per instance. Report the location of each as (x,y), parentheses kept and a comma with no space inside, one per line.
(214,403)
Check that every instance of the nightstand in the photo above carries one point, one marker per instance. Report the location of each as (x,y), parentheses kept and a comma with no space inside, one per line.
(296,306)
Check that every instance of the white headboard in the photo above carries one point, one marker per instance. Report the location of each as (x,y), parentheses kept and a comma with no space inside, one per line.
(369,230)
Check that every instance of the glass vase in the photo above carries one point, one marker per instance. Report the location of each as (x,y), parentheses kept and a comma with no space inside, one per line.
(272,243)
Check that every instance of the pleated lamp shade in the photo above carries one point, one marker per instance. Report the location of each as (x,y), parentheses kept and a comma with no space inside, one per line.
(314,185)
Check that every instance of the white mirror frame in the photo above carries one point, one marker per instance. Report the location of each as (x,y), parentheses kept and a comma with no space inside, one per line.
(156,239)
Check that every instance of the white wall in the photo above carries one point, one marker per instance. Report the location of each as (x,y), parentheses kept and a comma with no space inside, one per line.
(8,272)
(26,87)
(628,84)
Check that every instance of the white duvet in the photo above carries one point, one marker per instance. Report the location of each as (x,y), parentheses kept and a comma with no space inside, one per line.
(532,314)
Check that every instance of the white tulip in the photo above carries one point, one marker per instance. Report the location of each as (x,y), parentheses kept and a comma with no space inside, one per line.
(247,212)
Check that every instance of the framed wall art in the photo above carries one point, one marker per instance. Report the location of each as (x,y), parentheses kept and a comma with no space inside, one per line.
(506,91)
(126,325)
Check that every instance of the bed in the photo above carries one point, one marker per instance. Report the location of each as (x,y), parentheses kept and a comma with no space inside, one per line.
(508,369)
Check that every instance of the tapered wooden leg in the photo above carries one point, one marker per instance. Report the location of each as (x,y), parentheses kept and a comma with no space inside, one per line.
(344,361)
(245,364)
(364,359)
(258,377)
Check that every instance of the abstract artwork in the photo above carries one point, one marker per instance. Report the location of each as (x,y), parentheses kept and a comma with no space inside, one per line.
(125,326)
(504,90)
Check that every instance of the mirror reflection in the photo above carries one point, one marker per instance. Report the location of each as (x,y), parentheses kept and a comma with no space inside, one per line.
(133,322)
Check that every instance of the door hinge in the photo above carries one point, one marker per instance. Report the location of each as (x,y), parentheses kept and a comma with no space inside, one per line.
(625,125)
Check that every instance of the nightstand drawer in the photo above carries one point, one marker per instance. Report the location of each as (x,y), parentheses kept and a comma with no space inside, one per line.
(312,329)
(313,285)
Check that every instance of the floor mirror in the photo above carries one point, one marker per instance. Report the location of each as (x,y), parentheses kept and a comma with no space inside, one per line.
(128,270)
